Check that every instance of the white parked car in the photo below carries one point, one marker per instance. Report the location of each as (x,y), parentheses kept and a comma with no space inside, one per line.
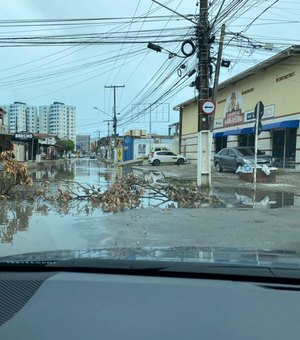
(157,157)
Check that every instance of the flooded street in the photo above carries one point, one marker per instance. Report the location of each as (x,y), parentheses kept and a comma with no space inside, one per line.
(37,224)
(30,226)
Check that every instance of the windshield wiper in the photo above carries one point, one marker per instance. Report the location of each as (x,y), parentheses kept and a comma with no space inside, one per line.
(203,270)
(141,267)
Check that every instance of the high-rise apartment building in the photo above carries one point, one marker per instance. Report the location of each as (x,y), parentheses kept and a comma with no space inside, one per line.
(44,119)
(57,119)
(21,117)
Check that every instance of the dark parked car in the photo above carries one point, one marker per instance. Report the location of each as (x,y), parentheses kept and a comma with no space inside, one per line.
(232,158)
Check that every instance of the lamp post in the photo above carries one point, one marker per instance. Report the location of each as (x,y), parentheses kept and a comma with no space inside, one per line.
(114,87)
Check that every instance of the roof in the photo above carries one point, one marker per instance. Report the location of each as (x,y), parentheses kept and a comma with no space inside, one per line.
(287,53)
(43,135)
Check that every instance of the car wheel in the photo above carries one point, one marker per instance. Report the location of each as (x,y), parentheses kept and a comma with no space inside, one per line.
(180,161)
(156,162)
(218,167)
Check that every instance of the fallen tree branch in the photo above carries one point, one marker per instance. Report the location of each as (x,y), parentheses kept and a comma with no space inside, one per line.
(129,191)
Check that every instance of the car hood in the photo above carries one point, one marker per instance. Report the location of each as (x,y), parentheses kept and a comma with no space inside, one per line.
(217,255)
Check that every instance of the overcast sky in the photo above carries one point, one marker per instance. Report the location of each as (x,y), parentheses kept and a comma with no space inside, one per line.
(76,74)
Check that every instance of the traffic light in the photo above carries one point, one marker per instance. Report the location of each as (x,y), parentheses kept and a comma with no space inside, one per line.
(203,122)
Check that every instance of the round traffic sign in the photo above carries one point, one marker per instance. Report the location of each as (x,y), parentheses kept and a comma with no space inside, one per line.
(208,107)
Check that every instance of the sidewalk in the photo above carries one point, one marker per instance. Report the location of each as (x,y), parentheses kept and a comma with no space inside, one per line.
(286,180)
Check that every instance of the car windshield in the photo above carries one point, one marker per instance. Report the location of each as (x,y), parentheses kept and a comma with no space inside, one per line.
(112,119)
(249,152)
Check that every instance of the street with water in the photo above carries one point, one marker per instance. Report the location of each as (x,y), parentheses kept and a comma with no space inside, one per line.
(266,219)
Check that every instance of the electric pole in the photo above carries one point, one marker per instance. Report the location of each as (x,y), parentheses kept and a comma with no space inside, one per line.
(202,85)
(203,51)
(217,71)
(108,121)
(114,87)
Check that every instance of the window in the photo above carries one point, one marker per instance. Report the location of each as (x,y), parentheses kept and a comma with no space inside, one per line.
(224,152)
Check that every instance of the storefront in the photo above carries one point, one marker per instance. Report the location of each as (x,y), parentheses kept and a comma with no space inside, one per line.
(276,83)
(278,139)
(23,144)
(284,143)
(5,142)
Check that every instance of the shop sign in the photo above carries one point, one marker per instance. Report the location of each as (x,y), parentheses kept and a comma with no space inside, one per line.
(234,102)
(23,136)
(218,123)
(233,118)
(268,113)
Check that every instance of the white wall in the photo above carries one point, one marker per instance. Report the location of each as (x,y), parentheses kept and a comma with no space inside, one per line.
(142,147)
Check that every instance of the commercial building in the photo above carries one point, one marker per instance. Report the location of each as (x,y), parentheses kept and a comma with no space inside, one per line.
(57,119)
(275,82)
(3,121)
(5,138)
(134,147)
(21,117)
(83,143)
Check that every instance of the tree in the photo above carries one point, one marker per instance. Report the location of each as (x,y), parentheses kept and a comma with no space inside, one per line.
(65,146)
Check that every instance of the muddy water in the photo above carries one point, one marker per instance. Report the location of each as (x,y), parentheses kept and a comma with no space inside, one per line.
(38,225)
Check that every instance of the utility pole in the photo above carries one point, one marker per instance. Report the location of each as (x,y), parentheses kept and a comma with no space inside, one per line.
(98,143)
(114,87)
(203,51)
(217,71)
(202,85)
(150,129)
(108,121)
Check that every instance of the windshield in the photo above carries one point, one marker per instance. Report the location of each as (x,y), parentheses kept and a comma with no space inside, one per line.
(249,152)
(112,117)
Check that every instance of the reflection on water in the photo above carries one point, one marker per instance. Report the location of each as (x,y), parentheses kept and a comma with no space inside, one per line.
(19,215)
(229,196)
(188,254)
(15,217)
(54,172)
(246,198)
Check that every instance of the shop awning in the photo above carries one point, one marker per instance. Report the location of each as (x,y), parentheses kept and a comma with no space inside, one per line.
(227,133)
(265,127)
(281,125)
(232,132)
(248,131)
(218,134)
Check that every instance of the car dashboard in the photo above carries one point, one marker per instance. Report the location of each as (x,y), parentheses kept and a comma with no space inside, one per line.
(107,305)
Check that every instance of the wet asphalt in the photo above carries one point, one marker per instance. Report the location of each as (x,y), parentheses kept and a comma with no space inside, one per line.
(286,180)
(271,222)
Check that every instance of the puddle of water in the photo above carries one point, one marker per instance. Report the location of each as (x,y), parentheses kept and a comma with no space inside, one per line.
(246,198)
(235,197)
(18,216)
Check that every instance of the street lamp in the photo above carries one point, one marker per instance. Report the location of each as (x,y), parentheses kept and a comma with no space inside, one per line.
(97,108)
(186,53)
